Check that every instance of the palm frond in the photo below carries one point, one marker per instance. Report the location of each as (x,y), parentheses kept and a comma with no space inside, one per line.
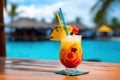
(95,6)
(101,15)
(12,13)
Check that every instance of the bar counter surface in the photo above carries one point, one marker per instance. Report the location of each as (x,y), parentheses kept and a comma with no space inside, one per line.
(29,69)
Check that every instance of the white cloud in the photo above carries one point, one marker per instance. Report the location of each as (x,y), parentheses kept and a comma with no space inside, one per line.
(46,11)
(71,9)
(17,1)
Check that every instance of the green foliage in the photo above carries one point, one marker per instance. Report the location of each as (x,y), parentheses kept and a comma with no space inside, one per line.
(77,20)
(12,13)
(115,23)
(101,10)
(43,20)
(55,20)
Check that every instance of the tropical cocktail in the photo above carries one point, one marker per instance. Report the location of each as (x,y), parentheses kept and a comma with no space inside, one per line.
(70,50)
(71,53)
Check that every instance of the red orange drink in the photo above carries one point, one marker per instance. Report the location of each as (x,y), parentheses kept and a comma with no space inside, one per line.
(71,51)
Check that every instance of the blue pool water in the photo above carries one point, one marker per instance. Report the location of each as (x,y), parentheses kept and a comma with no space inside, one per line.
(103,50)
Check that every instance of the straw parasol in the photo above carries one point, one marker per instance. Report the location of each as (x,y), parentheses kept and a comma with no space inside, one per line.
(80,26)
(104,28)
(27,23)
(73,24)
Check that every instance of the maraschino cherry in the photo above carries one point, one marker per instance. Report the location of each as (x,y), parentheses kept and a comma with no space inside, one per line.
(75,30)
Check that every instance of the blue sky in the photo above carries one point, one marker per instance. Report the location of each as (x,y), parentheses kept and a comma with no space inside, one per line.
(46,8)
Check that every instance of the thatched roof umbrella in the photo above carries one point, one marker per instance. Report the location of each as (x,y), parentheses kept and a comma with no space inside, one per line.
(80,26)
(43,25)
(27,23)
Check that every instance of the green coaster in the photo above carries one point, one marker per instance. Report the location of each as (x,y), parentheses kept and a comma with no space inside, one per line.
(71,74)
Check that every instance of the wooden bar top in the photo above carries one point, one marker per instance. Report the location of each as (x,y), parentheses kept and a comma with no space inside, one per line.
(28,69)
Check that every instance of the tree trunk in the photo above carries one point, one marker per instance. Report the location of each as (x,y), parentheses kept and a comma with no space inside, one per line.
(2,34)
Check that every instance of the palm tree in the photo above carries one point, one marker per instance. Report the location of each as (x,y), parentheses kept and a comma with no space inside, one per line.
(78,20)
(101,10)
(2,34)
(43,20)
(55,20)
(115,23)
(12,13)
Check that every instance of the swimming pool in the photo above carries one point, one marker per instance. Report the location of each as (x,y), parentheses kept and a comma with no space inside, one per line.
(103,50)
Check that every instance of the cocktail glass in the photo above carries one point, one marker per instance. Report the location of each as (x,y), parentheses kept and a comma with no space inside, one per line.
(71,53)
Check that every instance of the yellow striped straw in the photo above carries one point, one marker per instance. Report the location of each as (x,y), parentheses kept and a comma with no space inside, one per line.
(58,16)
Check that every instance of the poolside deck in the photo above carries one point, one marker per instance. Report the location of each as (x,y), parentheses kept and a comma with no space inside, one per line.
(28,69)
